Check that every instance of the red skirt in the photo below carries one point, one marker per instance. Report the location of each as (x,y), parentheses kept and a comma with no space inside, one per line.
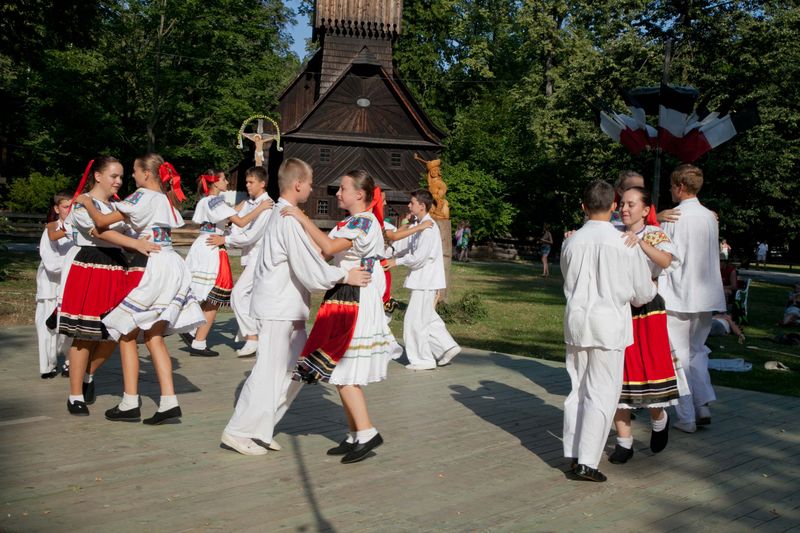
(649,379)
(221,291)
(331,335)
(97,282)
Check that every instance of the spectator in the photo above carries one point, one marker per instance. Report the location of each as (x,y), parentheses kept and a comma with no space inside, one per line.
(724,250)
(463,243)
(791,312)
(546,241)
(761,254)
(722,324)
(730,280)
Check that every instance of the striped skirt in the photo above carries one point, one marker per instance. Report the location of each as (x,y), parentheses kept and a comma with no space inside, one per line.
(650,378)
(97,282)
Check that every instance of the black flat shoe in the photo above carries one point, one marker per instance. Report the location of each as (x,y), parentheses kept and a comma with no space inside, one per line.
(77,408)
(131,415)
(186,338)
(88,393)
(160,418)
(202,353)
(343,448)
(360,451)
(573,463)
(50,375)
(65,371)
(659,439)
(587,472)
(620,455)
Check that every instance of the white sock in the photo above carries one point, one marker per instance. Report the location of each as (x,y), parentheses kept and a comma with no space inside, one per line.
(88,378)
(78,398)
(351,437)
(366,435)
(661,423)
(129,401)
(167,402)
(625,442)
(198,345)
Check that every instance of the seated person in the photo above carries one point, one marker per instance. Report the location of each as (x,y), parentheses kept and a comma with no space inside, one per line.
(730,280)
(791,314)
(722,324)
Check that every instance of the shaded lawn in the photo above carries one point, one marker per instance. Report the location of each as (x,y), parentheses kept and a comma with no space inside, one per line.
(525,316)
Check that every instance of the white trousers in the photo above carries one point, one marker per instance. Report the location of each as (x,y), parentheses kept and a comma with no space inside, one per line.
(50,342)
(240,301)
(269,390)
(596,377)
(424,333)
(687,336)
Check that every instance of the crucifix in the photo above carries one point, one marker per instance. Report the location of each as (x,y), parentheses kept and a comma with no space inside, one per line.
(260,139)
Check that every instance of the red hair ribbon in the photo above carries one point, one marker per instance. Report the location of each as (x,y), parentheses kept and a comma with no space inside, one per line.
(205,179)
(82,183)
(377,204)
(167,173)
(652,219)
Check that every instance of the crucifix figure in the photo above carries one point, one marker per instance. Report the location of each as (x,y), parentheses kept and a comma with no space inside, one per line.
(260,139)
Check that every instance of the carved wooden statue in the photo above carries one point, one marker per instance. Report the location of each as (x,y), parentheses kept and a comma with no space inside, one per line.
(437,188)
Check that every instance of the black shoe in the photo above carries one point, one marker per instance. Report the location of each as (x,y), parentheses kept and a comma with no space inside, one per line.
(160,418)
(65,370)
(186,338)
(131,415)
(573,463)
(343,448)
(360,451)
(620,455)
(658,439)
(77,408)
(50,375)
(202,353)
(587,472)
(88,393)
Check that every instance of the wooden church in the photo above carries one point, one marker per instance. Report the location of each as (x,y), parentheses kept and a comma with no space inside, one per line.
(348,110)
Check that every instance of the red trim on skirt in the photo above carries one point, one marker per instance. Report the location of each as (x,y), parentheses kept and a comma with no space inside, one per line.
(221,292)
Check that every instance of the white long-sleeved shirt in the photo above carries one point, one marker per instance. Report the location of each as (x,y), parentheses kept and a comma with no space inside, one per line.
(695,286)
(288,267)
(249,238)
(423,257)
(602,277)
(53,254)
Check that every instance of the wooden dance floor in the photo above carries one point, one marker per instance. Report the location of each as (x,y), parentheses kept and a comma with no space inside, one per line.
(471,447)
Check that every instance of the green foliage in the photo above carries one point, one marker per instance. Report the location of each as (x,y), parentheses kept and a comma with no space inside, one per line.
(479,197)
(34,194)
(467,310)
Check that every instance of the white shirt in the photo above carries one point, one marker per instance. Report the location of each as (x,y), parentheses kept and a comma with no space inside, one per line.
(288,267)
(762,248)
(602,277)
(53,254)
(423,257)
(82,225)
(364,231)
(695,286)
(214,211)
(149,210)
(249,237)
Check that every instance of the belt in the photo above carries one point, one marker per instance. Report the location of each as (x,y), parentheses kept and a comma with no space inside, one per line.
(208,227)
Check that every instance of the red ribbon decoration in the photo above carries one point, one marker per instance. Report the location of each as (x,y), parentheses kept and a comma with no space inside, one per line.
(377,204)
(167,173)
(205,179)
(82,183)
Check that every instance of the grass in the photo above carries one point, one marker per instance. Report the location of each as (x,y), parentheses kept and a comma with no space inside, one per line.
(525,317)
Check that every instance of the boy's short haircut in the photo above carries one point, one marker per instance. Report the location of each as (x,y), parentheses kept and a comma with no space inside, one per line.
(598,197)
(292,170)
(62,196)
(690,176)
(424,197)
(259,173)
